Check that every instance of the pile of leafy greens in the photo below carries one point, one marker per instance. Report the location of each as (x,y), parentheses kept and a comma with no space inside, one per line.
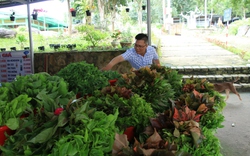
(170,117)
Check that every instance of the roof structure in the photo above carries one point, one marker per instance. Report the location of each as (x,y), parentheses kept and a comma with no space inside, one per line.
(43,21)
(12,3)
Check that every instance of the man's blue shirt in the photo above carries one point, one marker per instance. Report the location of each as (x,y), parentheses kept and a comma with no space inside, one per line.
(137,61)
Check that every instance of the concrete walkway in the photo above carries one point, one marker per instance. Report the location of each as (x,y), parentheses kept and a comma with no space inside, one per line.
(190,50)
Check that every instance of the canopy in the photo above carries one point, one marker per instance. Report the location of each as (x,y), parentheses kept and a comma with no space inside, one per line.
(12,3)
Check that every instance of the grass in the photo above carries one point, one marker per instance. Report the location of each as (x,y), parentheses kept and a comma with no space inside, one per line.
(39,40)
(58,38)
(239,45)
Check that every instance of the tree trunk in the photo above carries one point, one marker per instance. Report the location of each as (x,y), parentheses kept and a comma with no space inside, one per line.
(139,11)
(244,13)
(69,19)
(101,10)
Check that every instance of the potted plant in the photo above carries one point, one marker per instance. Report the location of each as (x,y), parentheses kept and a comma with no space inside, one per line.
(116,36)
(89,9)
(3,49)
(73,12)
(127,9)
(143,7)
(41,48)
(34,14)
(88,13)
(12,17)
(126,39)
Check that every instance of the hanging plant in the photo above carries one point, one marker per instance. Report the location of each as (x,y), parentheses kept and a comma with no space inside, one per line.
(88,13)
(73,12)
(12,17)
(34,14)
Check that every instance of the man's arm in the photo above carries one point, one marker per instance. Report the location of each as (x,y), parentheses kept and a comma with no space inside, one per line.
(157,62)
(113,62)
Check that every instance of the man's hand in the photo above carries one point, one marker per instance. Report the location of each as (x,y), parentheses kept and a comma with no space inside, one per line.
(157,62)
(107,67)
(113,62)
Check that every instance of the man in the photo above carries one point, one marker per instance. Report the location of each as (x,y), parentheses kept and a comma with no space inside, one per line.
(140,56)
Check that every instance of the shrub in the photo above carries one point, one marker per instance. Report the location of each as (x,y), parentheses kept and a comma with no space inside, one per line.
(92,35)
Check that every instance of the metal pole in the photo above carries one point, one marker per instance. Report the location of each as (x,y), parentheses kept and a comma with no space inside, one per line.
(205,14)
(30,38)
(149,21)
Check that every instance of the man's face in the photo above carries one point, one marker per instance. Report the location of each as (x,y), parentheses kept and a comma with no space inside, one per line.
(140,47)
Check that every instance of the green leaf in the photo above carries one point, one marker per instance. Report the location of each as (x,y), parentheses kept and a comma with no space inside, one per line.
(43,136)
(63,149)
(72,150)
(12,123)
(62,119)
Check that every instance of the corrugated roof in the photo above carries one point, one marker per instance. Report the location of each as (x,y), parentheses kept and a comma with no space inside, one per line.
(12,3)
(52,22)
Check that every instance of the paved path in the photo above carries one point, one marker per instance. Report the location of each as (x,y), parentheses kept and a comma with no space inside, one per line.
(190,50)
(235,141)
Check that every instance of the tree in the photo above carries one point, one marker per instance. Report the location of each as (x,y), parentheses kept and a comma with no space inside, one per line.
(184,6)
(242,5)
(112,7)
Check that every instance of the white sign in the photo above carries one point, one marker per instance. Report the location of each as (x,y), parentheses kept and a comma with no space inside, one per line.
(227,15)
(14,63)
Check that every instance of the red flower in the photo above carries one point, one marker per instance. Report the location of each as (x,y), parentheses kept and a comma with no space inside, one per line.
(72,9)
(58,111)
(112,82)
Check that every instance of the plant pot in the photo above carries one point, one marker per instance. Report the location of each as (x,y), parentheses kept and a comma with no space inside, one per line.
(143,7)
(51,45)
(130,133)
(114,43)
(88,13)
(73,13)
(69,46)
(127,9)
(13,48)
(125,44)
(3,130)
(3,49)
(34,16)
(41,48)
(57,46)
(12,18)
(112,82)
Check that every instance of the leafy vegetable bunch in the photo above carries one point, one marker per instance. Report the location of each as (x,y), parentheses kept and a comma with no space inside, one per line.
(172,76)
(83,77)
(20,96)
(151,85)
(75,129)
(111,74)
(188,126)
(133,110)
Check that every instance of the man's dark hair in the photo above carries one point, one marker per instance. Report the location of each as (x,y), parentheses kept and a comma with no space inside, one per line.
(142,36)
